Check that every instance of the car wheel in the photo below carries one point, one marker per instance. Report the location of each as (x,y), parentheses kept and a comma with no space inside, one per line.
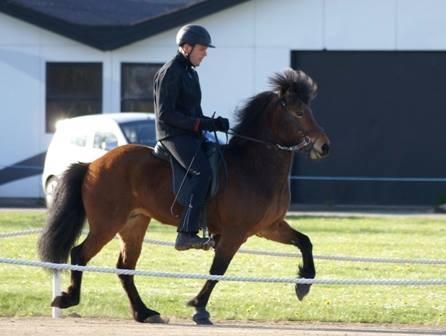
(50,188)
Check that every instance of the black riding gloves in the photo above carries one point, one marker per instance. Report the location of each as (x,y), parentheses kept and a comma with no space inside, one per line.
(206,124)
(222,124)
(218,124)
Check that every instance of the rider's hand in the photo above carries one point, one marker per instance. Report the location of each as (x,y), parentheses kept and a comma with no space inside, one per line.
(208,125)
(217,124)
(222,124)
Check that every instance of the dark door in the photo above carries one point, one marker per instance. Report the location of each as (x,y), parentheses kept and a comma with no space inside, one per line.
(385,113)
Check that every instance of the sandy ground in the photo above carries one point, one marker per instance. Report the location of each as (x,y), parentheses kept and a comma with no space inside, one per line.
(100,327)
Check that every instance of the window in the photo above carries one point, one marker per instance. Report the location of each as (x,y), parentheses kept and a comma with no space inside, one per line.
(105,140)
(140,132)
(79,140)
(72,89)
(137,86)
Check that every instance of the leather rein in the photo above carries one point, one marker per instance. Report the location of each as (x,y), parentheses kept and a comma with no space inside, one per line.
(298,147)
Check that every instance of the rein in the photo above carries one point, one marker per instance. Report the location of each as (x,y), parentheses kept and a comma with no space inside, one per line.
(298,147)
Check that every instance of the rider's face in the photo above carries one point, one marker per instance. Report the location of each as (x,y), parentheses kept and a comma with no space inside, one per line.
(196,54)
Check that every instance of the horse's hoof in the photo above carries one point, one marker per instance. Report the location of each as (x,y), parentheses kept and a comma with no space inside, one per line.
(302,290)
(57,302)
(64,301)
(202,317)
(156,319)
(202,321)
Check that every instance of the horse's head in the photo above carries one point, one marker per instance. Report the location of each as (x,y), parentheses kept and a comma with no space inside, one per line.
(292,120)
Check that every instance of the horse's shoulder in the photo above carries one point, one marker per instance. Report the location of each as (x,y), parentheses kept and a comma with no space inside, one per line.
(133,148)
(127,152)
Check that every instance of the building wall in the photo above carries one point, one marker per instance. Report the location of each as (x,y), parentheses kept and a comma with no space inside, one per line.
(253,40)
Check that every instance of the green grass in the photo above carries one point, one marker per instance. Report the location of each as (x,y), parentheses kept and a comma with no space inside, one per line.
(26,291)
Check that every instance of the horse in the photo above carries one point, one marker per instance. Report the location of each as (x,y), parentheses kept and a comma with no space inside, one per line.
(120,193)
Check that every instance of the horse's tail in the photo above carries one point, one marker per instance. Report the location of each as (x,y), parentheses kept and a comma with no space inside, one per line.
(66,216)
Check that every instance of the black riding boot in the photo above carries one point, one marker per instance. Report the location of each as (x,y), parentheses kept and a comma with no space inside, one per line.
(187,231)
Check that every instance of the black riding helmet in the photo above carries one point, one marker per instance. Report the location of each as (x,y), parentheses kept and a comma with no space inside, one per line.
(194,34)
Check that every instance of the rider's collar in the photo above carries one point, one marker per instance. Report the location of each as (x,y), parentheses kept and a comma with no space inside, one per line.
(183,60)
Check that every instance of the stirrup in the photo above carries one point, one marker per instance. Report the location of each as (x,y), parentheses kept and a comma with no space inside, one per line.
(210,243)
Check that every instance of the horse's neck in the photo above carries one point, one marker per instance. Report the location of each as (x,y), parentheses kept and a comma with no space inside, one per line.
(269,164)
(264,164)
(268,159)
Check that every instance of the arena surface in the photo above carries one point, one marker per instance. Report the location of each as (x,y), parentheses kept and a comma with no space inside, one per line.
(40,326)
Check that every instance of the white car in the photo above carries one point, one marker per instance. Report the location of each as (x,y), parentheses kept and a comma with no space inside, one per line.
(86,138)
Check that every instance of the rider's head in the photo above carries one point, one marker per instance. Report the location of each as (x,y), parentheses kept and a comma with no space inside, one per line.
(193,42)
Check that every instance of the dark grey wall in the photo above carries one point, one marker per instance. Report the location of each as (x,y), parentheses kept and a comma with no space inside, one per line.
(385,113)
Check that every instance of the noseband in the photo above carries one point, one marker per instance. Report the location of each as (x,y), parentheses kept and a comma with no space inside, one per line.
(306,141)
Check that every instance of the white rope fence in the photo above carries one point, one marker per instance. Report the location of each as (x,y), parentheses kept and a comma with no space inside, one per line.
(276,254)
(177,275)
(19,233)
(56,288)
(322,257)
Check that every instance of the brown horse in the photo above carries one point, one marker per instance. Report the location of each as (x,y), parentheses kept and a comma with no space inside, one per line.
(120,192)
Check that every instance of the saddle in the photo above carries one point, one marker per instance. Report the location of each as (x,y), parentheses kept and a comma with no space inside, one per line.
(183,183)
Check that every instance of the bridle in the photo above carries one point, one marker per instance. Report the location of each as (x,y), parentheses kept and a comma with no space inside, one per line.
(298,147)
(305,142)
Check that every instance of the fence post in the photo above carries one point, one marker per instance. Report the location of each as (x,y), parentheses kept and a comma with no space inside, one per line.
(56,292)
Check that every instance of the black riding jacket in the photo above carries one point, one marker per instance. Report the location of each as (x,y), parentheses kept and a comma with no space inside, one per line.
(177,99)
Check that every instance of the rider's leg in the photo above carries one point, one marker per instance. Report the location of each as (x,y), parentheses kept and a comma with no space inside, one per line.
(188,152)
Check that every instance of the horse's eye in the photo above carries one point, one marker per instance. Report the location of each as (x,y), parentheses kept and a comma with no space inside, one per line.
(300,113)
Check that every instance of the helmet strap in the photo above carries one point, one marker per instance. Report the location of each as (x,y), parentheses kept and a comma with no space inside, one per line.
(188,55)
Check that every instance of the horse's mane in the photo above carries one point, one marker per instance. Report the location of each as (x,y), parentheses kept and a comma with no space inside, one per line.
(297,82)
(248,116)
(292,81)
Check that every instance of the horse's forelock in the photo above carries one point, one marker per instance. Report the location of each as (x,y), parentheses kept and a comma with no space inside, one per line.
(289,80)
(295,81)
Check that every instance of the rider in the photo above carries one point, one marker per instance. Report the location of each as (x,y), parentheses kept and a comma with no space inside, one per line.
(180,122)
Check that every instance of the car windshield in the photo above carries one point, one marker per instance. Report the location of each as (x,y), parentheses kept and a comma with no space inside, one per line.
(140,132)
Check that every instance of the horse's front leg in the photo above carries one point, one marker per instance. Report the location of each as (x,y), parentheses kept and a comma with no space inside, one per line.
(224,252)
(282,232)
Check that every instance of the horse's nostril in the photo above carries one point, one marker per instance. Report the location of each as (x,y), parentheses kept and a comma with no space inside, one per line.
(325,149)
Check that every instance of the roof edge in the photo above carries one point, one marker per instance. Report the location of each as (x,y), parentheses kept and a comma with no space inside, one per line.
(116,36)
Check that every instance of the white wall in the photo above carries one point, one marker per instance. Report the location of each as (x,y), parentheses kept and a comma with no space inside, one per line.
(253,40)
(360,25)
(421,25)
(282,26)
(24,51)
(21,99)
(384,25)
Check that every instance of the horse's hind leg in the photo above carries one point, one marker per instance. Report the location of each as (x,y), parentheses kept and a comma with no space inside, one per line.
(283,233)
(132,236)
(81,255)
